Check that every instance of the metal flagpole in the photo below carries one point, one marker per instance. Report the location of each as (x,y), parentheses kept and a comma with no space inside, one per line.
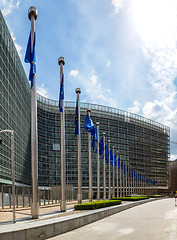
(104,169)
(13,175)
(98,163)
(126,182)
(117,155)
(61,63)
(90,161)
(32,15)
(79,190)
(133,190)
(133,179)
(109,193)
(113,173)
(123,179)
(129,192)
(120,176)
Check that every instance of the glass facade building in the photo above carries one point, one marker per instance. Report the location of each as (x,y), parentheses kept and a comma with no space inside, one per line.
(14,111)
(143,143)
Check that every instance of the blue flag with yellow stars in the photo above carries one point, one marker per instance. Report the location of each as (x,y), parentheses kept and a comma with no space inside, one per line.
(30,57)
(61,97)
(111,157)
(115,160)
(118,162)
(106,153)
(89,126)
(76,119)
(101,147)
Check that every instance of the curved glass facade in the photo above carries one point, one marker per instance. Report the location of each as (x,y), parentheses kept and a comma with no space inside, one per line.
(143,143)
(14,111)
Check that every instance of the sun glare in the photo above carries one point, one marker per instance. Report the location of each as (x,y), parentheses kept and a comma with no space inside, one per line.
(155,20)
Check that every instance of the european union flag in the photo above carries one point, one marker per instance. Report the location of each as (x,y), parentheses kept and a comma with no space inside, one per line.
(121,165)
(118,162)
(124,170)
(106,153)
(94,139)
(111,157)
(30,57)
(115,163)
(89,125)
(61,97)
(76,119)
(101,147)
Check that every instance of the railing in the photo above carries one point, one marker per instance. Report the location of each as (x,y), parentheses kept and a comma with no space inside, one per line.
(46,195)
(127,115)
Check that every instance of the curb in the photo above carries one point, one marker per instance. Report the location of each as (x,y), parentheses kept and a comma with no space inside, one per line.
(52,227)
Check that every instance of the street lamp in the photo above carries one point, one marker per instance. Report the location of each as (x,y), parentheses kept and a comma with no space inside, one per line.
(13,173)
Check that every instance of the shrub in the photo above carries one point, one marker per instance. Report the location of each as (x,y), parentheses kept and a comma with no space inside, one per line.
(96,204)
(155,196)
(136,198)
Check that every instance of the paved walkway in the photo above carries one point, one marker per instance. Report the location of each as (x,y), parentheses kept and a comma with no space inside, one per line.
(23,214)
(151,221)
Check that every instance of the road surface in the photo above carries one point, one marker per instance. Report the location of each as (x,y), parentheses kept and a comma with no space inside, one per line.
(151,221)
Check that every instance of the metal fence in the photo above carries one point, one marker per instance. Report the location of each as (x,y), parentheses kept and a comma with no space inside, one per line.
(46,195)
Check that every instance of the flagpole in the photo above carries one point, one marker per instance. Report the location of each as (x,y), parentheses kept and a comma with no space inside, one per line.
(117,155)
(109,194)
(132,181)
(104,169)
(113,173)
(32,15)
(61,63)
(79,190)
(98,163)
(120,175)
(128,180)
(123,178)
(90,161)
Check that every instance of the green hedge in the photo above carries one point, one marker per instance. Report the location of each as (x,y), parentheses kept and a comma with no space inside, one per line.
(96,204)
(136,198)
(155,196)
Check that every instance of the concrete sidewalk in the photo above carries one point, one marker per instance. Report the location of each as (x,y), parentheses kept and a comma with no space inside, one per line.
(24,214)
(53,222)
(151,221)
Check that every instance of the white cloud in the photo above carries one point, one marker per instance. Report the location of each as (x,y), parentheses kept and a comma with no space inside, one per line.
(7,6)
(158,34)
(43,91)
(97,93)
(173,157)
(117,4)
(74,73)
(135,108)
(108,64)
(18,47)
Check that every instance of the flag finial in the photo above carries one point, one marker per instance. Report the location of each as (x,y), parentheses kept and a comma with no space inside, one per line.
(32,11)
(78,90)
(61,60)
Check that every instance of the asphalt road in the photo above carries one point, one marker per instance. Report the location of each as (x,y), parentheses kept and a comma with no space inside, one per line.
(151,221)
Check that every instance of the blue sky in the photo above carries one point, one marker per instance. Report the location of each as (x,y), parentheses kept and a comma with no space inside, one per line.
(121,53)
